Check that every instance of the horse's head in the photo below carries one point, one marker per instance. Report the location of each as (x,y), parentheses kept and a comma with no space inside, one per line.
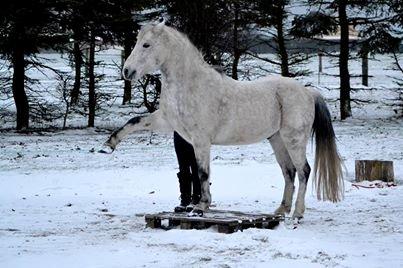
(149,53)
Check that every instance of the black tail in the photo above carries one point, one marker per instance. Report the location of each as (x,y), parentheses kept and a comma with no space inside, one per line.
(328,175)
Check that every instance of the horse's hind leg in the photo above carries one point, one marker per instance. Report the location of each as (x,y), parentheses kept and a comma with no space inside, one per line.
(288,169)
(295,141)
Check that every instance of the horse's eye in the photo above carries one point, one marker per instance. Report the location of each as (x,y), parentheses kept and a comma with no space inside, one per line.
(146,45)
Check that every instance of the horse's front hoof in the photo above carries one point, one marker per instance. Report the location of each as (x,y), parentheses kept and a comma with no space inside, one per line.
(107,148)
(196,213)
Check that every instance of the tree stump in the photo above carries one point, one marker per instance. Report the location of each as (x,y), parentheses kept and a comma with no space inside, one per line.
(371,170)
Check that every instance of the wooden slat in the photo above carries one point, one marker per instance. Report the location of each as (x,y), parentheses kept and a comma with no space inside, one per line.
(226,221)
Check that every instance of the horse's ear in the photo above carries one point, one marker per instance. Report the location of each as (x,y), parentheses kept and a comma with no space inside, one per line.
(165,21)
(168,22)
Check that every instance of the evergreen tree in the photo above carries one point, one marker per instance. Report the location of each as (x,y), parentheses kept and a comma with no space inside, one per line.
(25,27)
(204,23)
(273,16)
(274,19)
(125,26)
(220,29)
(89,24)
(73,21)
(241,19)
(372,19)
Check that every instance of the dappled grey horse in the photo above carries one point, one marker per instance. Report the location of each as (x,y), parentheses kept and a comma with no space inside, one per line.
(206,108)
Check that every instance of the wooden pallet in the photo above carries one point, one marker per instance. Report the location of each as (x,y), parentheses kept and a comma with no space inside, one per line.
(226,221)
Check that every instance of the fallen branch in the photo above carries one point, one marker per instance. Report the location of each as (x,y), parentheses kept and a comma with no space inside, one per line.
(374,185)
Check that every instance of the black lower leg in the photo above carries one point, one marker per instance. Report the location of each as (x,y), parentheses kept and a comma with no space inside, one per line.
(196,187)
(205,196)
(290,173)
(307,171)
(203,178)
(114,139)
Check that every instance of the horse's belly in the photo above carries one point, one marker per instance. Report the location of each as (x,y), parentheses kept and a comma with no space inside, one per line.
(245,134)
(238,141)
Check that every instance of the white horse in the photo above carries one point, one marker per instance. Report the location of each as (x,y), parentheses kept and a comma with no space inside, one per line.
(206,108)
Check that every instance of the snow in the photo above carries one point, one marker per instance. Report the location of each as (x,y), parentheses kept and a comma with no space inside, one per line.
(62,203)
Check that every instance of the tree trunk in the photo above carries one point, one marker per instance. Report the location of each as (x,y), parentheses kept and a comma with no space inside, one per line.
(66,114)
(235,43)
(345,106)
(365,69)
(20,97)
(320,65)
(78,62)
(370,170)
(91,82)
(282,50)
(127,90)
(235,63)
(145,99)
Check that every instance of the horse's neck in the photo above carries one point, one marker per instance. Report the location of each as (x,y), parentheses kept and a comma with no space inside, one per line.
(185,72)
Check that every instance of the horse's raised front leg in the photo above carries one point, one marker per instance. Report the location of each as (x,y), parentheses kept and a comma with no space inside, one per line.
(153,122)
(202,153)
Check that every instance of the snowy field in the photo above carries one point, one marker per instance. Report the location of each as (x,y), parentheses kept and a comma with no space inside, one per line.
(62,204)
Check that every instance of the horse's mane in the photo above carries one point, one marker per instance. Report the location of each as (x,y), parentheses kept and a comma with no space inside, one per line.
(183,41)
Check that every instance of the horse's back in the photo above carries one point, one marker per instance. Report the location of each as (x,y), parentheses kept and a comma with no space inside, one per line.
(257,109)
(287,91)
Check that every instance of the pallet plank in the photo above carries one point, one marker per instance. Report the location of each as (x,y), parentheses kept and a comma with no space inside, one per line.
(153,222)
(226,221)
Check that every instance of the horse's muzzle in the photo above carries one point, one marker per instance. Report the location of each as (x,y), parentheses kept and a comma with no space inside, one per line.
(128,74)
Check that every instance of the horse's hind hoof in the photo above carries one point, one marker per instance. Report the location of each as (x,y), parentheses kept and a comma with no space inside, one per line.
(297,217)
(196,213)
(282,210)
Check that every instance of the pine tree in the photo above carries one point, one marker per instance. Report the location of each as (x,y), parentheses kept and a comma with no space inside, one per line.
(89,24)
(372,22)
(74,23)
(274,19)
(272,15)
(125,26)
(241,19)
(203,22)
(25,27)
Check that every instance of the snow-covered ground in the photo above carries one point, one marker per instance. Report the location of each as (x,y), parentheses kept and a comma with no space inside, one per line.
(61,204)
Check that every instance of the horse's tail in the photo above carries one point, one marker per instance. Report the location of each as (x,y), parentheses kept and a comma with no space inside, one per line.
(328,175)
